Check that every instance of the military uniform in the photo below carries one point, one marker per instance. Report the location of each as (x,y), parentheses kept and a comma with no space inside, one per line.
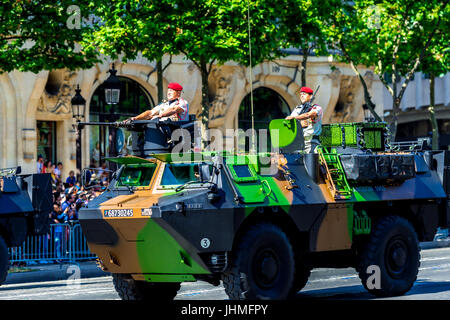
(314,128)
(163,107)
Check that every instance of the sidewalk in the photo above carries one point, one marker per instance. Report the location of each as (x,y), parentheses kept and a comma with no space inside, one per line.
(89,269)
(53,272)
(444,243)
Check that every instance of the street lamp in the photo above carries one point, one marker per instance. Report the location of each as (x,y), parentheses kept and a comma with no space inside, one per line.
(78,105)
(112,95)
(78,108)
(112,87)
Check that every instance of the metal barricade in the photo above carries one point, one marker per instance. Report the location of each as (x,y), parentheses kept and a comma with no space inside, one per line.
(64,243)
(78,245)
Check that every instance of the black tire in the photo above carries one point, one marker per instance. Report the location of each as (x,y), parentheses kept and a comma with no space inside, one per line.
(130,289)
(301,277)
(4,260)
(262,266)
(393,247)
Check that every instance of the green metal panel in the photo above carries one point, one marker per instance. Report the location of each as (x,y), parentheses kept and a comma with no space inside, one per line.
(366,135)
(159,252)
(282,132)
(249,184)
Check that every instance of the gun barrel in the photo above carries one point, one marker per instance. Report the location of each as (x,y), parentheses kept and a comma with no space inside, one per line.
(314,94)
(97,123)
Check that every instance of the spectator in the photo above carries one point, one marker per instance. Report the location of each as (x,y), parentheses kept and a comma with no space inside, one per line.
(45,167)
(58,171)
(66,206)
(71,180)
(40,164)
(102,169)
(51,169)
(58,216)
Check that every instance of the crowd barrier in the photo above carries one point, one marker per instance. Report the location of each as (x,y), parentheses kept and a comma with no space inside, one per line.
(64,243)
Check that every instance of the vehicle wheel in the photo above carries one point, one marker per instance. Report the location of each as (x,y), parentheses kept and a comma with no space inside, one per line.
(130,289)
(262,265)
(4,260)
(301,277)
(393,247)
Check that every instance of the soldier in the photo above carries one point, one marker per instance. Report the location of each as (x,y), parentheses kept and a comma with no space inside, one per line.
(310,117)
(176,108)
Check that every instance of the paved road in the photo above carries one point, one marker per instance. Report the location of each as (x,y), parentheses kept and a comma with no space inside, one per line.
(433,283)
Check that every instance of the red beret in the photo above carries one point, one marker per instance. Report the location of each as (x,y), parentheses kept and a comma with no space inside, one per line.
(306,89)
(175,86)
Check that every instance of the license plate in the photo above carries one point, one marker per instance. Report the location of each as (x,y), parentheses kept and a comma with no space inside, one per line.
(115,213)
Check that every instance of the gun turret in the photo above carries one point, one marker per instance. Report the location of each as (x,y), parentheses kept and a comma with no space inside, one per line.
(154,136)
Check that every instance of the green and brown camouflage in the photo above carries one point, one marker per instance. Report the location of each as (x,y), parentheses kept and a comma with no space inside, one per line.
(169,217)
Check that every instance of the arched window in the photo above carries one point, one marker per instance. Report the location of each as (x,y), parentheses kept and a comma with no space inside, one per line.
(134,99)
(267,105)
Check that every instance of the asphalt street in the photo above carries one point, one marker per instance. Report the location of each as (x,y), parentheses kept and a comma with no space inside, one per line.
(433,283)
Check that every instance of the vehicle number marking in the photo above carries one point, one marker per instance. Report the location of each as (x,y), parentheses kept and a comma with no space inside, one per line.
(118,213)
(205,243)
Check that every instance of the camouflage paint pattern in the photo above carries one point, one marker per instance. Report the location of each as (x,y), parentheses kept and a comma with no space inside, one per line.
(159,241)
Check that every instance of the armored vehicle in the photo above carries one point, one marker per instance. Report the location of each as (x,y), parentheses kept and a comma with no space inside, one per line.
(260,222)
(25,205)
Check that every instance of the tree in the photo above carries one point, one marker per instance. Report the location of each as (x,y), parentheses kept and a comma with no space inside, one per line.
(301,27)
(391,36)
(217,31)
(40,35)
(436,62)
(128,28)
(207,32)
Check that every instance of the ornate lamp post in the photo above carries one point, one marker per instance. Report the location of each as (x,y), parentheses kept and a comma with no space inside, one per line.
(78,108)
(112,87)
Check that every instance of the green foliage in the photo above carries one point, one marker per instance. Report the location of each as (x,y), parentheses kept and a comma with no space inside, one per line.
(217,30)
(35,35)
(301,25)
(207,32)
(436,60)
(393,36)
(130,27)
(389,35)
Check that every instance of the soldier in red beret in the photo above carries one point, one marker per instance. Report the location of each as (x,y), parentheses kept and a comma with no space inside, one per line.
(310,116)
(175,108)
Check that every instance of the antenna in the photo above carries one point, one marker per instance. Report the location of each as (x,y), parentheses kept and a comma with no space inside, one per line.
(252,148)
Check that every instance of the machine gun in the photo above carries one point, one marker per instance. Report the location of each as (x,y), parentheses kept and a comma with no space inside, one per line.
(154,136)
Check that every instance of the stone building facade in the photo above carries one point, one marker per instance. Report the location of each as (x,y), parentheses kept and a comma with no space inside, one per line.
(36,116)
